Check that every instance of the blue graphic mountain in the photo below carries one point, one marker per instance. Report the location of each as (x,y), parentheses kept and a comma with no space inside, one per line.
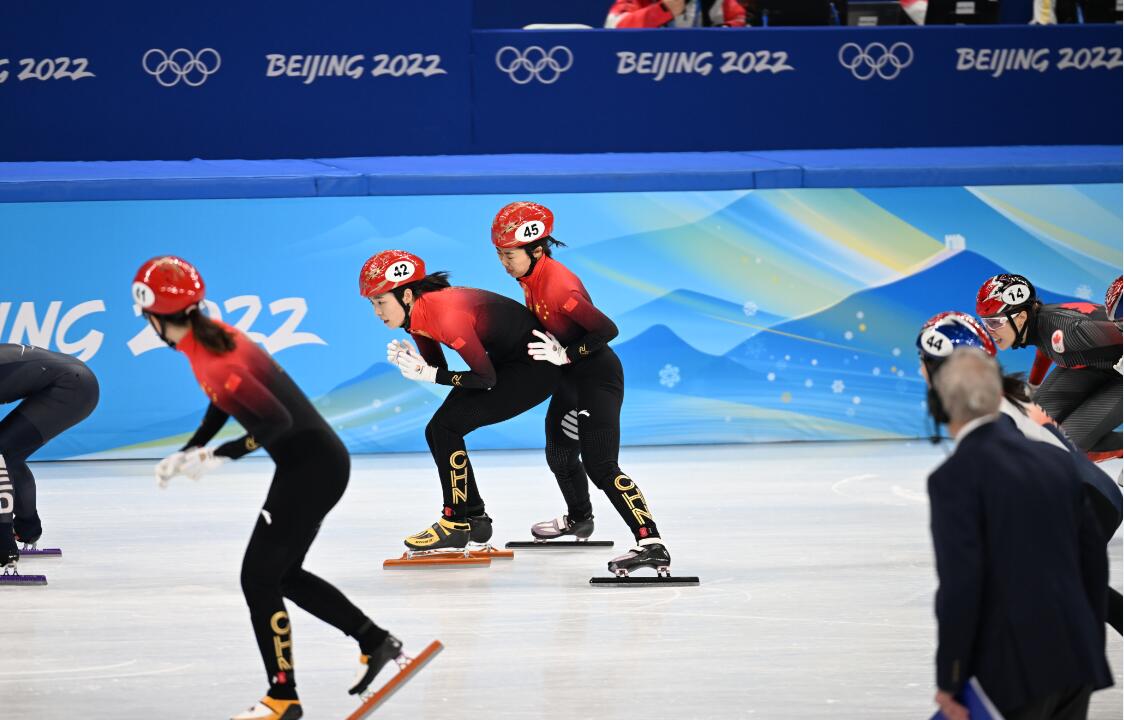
(714,325)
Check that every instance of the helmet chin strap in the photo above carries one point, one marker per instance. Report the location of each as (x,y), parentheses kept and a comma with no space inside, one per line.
(1020,332)
(937,413)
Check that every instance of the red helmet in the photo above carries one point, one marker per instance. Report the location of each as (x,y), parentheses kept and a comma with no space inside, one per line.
(388,270)
(167,285)
(521,223)
(1002,294)
(944,332)
(1112,299)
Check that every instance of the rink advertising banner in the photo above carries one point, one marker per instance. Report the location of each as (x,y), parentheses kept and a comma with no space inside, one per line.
(219,79)
(725,89)
(744,316)
(286,79)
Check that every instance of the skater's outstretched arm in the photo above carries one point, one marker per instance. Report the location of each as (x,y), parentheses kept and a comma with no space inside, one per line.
(213,420)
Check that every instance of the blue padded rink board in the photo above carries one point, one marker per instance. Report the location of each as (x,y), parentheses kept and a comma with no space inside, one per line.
(613,172)
(815,604)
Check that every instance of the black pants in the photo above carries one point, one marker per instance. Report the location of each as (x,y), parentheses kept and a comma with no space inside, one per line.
(1067,705)
(67,399)
(583,439)
(1087,404)
(521,384)
(310,479)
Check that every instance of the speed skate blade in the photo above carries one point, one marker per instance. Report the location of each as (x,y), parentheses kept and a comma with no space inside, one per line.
(644,580)
(31,552)
(16,580)
(563,544)
(437,560)
(383,694)
(491,553)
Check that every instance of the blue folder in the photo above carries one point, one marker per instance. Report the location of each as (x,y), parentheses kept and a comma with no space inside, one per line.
(978,703)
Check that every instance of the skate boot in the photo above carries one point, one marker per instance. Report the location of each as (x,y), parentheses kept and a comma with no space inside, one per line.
(272,709)
(481,528)
(559,527)
(9,551)
(372,662)
(650,553)
(444,535)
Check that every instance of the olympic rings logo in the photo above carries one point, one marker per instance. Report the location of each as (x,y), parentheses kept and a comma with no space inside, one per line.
(876,59)
(534,63)
(181,64)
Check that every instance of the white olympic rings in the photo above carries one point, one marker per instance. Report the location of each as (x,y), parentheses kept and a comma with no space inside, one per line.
(534,63)
(876,59)
(181,64)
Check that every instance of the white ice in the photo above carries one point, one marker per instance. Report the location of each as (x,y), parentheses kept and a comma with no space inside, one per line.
(816,596)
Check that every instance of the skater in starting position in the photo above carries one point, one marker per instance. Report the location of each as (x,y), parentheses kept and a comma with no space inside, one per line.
(490,332)
(242,381)
(1083,393)
(583,422)
(56,392)
(945,332)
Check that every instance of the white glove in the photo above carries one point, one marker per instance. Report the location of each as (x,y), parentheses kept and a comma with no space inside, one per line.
(198,461)
(1119,366)
(549,349)
(412,365)
(168,468)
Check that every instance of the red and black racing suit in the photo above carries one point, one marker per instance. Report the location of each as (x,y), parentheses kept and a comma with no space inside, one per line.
(1084,392)
(584,417)
(310,478)
(490,332)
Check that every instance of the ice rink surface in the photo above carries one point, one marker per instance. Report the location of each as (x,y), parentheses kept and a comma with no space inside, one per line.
(816,597)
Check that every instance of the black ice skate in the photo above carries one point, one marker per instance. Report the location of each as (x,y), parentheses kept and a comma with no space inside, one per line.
(371,663)
(546,534)
(650,553)
(407,668)
(28,532)
(9,559)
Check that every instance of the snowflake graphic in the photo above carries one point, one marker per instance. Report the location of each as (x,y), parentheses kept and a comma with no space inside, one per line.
(750,308)
(838,387)
(669,376)
(771,377)
(860,315)
(848,335)
(856,400)
(877,371)
(376,403)
(896,352)
(1084,292)
(808,383)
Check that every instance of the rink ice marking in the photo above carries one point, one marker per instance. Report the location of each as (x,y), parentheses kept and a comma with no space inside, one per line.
(111,676)
(837,487)
(912,496)
(60,671)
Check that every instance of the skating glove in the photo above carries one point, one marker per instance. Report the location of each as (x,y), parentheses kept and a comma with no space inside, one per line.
(411,364)
(549,349)
(199,461)
(168,468)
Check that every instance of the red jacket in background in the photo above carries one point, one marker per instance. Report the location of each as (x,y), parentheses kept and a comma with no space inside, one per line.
(651,14)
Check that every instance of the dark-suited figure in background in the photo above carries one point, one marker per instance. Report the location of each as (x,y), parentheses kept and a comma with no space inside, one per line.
(1022,568)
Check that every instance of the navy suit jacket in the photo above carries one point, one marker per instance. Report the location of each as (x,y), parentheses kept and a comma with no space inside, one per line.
(1022,568)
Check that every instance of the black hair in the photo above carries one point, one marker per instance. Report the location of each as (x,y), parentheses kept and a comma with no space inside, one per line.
(430,283)
(546,243)
(210,334)
(207,332)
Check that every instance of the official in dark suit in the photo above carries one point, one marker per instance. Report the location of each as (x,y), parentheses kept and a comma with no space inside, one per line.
(1021,564)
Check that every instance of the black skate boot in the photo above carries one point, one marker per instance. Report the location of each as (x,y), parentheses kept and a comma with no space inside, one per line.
(562,526)
(444,534)
(373,660)
(481,528)
(9,551)
(650,553)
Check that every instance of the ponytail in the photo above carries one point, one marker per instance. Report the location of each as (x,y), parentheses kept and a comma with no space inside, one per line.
(212,336)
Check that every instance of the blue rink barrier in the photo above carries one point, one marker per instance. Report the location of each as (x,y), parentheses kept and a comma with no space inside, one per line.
(754,304)
(214,80)
(617,172)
